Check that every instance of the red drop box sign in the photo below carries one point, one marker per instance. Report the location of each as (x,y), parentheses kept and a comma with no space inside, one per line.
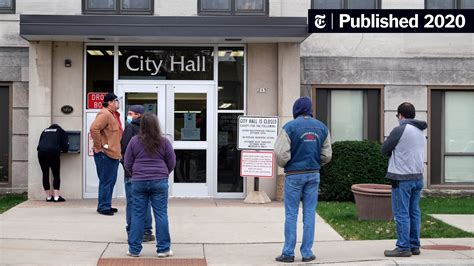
(95,99)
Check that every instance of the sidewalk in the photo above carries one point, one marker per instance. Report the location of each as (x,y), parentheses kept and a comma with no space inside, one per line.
(224,232)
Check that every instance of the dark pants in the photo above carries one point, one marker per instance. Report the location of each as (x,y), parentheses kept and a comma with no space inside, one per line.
(49,160)
(107,173)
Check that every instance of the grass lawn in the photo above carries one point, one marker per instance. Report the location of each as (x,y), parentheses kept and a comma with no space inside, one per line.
(8,201)
(342,216)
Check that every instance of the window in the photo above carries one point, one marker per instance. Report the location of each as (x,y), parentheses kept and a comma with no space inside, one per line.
(351,114)
(449,4)
(7,6)
(233,7)
(5,138)
(231,85)
(346,4)
(143,7)
(231,78)
(100,69)
(452,137)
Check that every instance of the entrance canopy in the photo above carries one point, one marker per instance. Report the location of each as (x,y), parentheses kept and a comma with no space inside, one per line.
(184,29)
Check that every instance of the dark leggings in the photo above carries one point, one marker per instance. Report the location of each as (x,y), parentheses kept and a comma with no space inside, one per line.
(49,160)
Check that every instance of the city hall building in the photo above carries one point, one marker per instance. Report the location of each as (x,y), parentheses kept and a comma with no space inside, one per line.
(199,64)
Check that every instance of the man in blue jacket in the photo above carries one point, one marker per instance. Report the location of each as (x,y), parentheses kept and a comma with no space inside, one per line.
(406,146)
(302,147)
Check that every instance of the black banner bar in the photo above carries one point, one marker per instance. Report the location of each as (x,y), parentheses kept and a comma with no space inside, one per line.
(391,21)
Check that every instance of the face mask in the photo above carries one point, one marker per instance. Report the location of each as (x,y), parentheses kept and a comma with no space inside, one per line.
(129,119)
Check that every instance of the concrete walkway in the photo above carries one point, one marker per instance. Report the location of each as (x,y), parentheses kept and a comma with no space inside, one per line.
(224,232)
(462,221)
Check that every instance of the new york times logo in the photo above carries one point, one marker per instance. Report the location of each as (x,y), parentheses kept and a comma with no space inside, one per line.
(319,21)
(390,20)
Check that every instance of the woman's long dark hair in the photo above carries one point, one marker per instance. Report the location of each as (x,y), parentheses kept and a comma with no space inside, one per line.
(150,133)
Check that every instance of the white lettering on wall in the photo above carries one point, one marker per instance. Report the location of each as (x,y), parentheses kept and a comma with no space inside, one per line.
(177,63)
(139,63)
(128,63)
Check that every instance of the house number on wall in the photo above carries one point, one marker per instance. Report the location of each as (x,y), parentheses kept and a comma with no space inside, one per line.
(262,90)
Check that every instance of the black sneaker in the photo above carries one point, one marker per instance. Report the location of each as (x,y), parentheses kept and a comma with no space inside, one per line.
(60,199)
(283,258)
(148,237)
(309,258)
(397,253)
(114,209)
(415,251)
(50,199)
(106,212)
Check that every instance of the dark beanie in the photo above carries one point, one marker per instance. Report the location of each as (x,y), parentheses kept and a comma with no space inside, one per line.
(110,97)
(137,108)
(302,106)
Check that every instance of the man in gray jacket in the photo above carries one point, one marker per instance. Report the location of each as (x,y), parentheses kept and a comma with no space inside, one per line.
(406,146)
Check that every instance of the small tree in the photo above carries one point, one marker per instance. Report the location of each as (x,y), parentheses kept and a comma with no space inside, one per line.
(353,162)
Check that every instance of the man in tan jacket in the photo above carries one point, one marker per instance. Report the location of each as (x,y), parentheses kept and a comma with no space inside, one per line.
(106,132)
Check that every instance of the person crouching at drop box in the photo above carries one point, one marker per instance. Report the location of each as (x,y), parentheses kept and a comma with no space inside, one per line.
(134,117)
(52,141)
(302,147)
(150,159)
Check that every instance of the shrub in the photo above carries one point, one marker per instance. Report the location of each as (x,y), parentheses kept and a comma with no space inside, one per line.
(353,162)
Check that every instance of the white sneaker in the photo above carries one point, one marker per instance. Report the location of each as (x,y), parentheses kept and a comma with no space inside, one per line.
(133,255)
(168,253)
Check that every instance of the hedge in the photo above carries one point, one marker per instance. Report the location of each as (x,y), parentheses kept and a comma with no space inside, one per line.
(353,162)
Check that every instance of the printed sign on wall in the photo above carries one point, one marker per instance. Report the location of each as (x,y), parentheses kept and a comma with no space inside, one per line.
(257,132)
(257,164)
(95,99)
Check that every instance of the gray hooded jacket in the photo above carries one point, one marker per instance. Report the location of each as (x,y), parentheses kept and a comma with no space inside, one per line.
(406,147)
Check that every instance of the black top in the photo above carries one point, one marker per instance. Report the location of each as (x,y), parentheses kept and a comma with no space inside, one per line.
(54,140)
(131,130)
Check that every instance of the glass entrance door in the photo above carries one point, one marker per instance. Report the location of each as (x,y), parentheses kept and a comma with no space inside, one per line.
(153,98)
(192,128)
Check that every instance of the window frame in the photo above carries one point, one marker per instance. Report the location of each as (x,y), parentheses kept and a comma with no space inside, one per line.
(345,4)
(233,10)
(9,10)
(436,179)
(458,4)
(379,88)
(10,135)
(118,10)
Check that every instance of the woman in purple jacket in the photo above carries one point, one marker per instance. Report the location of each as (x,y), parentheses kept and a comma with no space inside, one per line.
(150,158)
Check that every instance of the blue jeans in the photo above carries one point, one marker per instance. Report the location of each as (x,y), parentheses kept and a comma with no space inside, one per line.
(156,192)
(300,187)
(129,208)
(406,212)
(107,173)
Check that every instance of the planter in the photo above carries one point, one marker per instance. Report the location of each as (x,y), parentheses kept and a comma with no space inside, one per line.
(373,201)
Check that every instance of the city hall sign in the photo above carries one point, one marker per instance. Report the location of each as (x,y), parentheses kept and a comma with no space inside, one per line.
(170,63)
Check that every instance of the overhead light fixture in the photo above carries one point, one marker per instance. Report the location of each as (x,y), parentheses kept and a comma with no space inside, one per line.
(95,52)
(109,52)
(222,53)
(220,88)
(237,53)
(225,105)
